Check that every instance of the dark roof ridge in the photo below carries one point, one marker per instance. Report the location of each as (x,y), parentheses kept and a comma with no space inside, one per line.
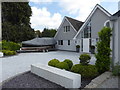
(75,23)
(73,18)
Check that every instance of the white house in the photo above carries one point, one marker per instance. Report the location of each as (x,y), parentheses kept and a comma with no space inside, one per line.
(66,32)
(73,32)
(115,21)
(87,35)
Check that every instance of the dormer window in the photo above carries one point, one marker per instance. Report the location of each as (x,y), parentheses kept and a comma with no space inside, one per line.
(66,28)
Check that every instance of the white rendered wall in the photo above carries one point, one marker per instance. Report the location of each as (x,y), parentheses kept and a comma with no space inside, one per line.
(65,46)
(62,77)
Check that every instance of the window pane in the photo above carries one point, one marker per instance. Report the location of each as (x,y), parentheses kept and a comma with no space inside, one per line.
(61,42)
(68,42)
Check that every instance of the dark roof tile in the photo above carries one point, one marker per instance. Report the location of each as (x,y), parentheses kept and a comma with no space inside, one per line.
(76,24)
(117,14)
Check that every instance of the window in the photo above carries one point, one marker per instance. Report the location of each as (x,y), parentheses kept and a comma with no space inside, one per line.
(60,42)
(108,24)
(68,42)
(81,44)
(90,44)
(66,28)
(87,31)
(97,39)
(75,41)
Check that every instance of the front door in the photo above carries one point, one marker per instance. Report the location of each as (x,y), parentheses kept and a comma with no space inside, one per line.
(86,45)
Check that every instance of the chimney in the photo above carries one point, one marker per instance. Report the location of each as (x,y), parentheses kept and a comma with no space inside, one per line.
(119,5)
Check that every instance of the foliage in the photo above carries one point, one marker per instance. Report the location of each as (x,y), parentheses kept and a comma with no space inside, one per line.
(16,21)
(38,33)
(69,62)
(92,47)
(62,65)
(8,52)
(84,59)
(53,62)
(10,46)
(103,50)
(48,32)
(116,70)
(77,46)
(86,71)
(76,68)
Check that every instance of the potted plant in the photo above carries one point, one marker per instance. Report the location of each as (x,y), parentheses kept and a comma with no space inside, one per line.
(77,48)
(92,49)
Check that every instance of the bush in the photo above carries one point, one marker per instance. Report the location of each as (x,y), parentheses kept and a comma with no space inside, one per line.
(116,70)
(53,62)
(76,68)
(69,62)
(62,65)
(77,46)
(103,50)
(8,52)
(92,47)
(84,59)
(10,46)
(86,71)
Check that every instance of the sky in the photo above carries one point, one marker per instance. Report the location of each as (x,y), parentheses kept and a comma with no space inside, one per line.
(50,13)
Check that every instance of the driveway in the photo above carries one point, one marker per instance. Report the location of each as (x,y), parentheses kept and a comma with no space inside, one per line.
(11,66)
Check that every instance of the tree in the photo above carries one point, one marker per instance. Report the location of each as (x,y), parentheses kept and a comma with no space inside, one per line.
(16,21)
(103,50)
(38,33)
(48,32)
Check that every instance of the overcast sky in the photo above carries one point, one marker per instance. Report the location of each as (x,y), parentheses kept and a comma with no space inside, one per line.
(49,13)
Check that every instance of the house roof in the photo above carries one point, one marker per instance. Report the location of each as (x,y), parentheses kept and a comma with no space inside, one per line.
(40,41)
(75,23)
(117,14)
(90,15)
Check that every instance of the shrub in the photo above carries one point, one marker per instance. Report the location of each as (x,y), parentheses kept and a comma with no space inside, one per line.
(84,59)
(8,52)
(76,68)
(10,46)
(116,70)
(77,46)
(86,71)
(92,47)
(53,62)
(103,50)
(69,62)
(62,65)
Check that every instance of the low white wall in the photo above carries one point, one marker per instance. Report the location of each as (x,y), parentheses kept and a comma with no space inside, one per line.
(64,78)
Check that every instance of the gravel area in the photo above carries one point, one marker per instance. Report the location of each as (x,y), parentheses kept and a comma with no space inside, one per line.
(13,65)
(30,80)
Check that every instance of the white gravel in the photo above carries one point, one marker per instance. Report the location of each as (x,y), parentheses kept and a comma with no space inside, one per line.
(13,65)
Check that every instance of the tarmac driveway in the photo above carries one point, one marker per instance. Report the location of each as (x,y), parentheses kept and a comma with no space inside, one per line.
(13,65)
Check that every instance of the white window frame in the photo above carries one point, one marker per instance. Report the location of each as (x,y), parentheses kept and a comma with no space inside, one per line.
(66,29)
(108,21)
